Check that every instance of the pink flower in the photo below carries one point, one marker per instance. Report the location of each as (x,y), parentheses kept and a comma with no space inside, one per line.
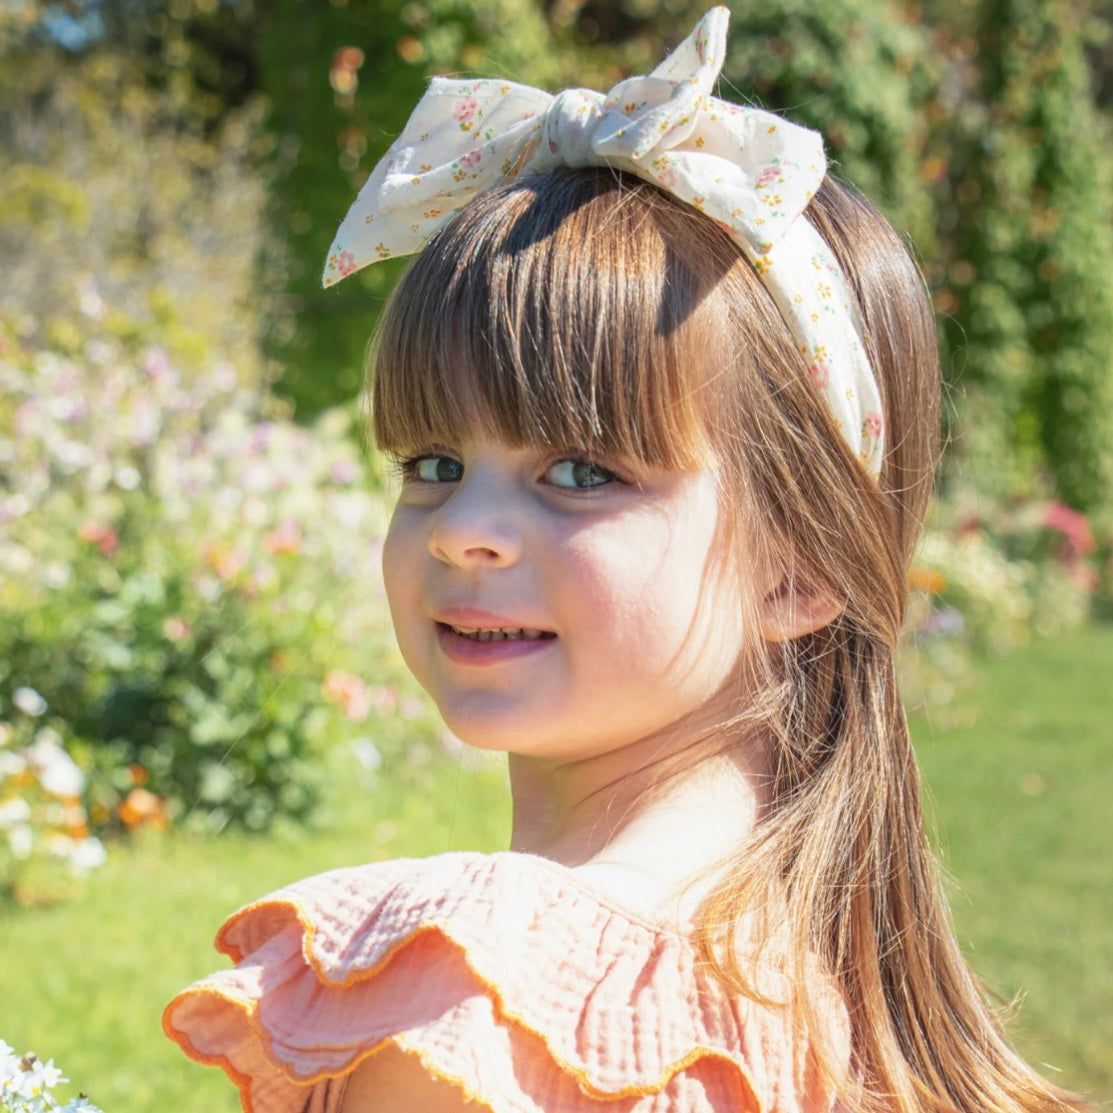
(1072,525)
(104,537)
(349,693)
(769,175)
(471,158)
(345,263)
(176,629)
(820,373)
(872,425)
(284,541)
(386,700)
(344,471)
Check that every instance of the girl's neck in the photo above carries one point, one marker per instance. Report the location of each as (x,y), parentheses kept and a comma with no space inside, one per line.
(644,826)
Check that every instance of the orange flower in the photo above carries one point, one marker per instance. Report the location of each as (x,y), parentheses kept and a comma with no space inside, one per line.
(926,579)
(224,560)
(143,808)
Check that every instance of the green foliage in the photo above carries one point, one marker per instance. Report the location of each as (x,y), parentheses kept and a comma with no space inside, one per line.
(122,186)
(341,81)
(1031,258)
(187,583)
(988,578)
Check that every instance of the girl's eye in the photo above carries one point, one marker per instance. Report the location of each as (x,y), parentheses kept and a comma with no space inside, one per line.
(433,469)
(578,475)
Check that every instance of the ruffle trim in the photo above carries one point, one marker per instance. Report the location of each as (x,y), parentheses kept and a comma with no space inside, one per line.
(544,997)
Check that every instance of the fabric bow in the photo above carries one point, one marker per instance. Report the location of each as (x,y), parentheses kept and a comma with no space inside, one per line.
(749,170)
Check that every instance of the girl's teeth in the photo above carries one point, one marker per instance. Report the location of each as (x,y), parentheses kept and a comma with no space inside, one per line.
(502,634)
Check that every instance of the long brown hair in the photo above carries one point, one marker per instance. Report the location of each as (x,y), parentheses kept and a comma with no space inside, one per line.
(588,309)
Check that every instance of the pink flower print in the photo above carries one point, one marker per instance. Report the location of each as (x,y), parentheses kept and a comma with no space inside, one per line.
(768,176)
(470,159)
(872,425)
(820,373)
(465,110)
(345,263)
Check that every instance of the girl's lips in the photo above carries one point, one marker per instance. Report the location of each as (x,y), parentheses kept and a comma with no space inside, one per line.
(489,649)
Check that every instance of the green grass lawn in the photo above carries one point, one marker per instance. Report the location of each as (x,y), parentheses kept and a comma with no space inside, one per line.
(1022,793)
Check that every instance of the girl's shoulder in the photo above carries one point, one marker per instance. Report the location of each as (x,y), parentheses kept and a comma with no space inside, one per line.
(504,975)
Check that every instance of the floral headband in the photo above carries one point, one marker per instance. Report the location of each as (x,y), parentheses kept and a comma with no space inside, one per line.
(750,171)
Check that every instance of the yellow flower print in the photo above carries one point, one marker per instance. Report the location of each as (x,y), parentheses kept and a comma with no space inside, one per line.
(629,108)
(699,142)
(824,290)
(382,250)
(431,214)
(763,265)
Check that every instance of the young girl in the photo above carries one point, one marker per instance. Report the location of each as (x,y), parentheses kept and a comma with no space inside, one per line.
(664,401)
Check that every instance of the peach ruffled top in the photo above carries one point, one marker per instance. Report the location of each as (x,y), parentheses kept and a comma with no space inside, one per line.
(505,976)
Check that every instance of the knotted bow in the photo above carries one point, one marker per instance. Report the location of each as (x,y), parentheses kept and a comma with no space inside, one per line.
(750,171)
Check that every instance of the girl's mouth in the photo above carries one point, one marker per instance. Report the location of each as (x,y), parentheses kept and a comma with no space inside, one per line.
(500,633)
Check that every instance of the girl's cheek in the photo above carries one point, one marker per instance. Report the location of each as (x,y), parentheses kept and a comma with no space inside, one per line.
(401,547)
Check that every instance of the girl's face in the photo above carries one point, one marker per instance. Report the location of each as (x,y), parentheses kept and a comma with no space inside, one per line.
(558,606)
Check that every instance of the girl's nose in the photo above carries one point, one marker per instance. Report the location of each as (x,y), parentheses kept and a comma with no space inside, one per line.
(476,527)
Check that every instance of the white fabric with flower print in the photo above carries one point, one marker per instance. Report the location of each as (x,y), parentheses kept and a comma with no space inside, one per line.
(750,171)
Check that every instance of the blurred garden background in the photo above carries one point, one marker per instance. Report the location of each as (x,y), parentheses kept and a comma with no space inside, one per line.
(199,694)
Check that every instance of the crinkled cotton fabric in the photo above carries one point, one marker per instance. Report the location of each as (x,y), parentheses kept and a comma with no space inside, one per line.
(506,978)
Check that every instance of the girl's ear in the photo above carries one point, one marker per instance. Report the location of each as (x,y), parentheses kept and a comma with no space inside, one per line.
(795,608)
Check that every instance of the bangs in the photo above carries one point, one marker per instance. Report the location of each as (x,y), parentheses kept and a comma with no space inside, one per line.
(574,310)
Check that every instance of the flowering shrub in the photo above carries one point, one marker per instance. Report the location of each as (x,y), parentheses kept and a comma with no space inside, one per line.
(44,828)
(987,583)
(26,1083)
(184,581)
